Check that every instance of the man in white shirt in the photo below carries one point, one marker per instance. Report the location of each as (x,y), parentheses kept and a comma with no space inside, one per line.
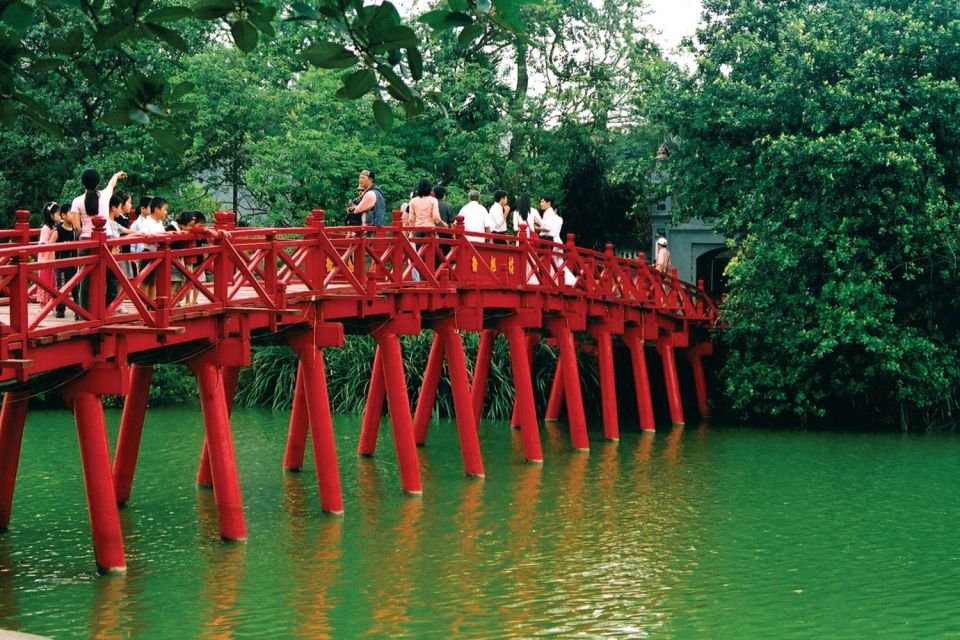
(550,223)
(498,212)
(474,218)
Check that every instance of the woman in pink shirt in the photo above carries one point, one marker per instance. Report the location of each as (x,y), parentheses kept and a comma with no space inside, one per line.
(424,209)
(48,235)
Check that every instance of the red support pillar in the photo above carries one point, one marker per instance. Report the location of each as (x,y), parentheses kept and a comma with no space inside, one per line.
(101,499)
(374,408)
(571,383)
(523,383)
(608,384)
(223,463)
(555,403)
(532,340)
(641,380)
(695,356)
(396,387)
(12,418)
(460,385)
(481,372)
(297,431)
(231,377)
(131,429)
(314,385)
(428,390)
(667,357)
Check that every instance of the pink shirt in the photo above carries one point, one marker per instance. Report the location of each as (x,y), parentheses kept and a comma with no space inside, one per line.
(46,237)
(423,212)
(367,202)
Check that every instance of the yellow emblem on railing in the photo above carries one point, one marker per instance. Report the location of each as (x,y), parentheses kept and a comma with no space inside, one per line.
(350,266)
(329,264)
(473,264)
(510,267)
(493,264)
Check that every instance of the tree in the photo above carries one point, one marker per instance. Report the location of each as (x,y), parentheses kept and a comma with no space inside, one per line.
(824,139)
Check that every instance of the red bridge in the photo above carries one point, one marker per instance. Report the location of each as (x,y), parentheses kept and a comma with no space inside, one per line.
(307,287)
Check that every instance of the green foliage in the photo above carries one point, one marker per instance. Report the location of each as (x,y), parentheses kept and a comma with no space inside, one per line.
(824,138)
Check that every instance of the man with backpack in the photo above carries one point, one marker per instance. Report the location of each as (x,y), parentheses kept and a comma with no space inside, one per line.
(371,210)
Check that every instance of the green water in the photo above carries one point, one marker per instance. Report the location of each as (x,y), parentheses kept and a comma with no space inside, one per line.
(696,533)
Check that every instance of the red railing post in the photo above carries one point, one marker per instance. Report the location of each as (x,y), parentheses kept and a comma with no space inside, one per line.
(222,271)
(22,224)
(163,280)
(97,280)
(316,262)
(396,255)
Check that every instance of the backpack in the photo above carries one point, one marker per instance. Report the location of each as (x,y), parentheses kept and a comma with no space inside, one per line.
(376,216)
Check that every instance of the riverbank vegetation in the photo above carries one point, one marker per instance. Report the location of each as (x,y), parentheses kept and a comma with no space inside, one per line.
(822,138)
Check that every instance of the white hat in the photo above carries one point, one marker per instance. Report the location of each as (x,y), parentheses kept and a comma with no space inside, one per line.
(662,241)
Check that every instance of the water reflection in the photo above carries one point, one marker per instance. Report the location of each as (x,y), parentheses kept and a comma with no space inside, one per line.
(391,577)
(226,566)
(522,560)
(9,611)
(117,608)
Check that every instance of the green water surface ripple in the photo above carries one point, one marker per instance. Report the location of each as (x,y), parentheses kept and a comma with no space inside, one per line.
(693,533)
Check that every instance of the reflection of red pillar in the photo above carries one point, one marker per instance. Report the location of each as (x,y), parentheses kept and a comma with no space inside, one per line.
(523,384)
(428,390)
(131,429)
(695,356)
(321,425)
(555,403)
(223,463)
(608,385)
(396,387)
(641,380)
(12,418)
(482,371)
(297,429)
(231,377)
(665,349)
(571,384)
(460,385)
(374,409)
(101,500)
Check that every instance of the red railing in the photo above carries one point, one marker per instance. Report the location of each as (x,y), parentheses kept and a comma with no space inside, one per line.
(225,267)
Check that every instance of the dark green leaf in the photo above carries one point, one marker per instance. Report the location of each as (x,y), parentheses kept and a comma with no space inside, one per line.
(459,20)
(436,19)
(244,35)
(382,114)
(169,36)
(8,113)
(357,84)
(89,71)
(44,65)
(470,33)
(329,55)
(18,16)
(412,107)
(384,16)
(415,60)
(169,139)
(138,116)
(394,57)
(213,9)
(75,40)
(169,14)
(305,11)
(458,5)
(117,117)
(181,90)
(398,37)
(110,35)
(52,19)
(505,7)
(154,109)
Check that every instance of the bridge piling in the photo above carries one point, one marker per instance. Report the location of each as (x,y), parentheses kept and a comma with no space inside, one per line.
(131,430)
(400,419)
(669,360)
(223,463)
(641,379)
(13,416)
(373,412)
(299,424)
(428,389)
(320,420)
(532,340)
(462,404)
(481,371)
(560,329)
(608,384)
(98,479)
(555,401)
(695,356)
(523,383)
(231,377)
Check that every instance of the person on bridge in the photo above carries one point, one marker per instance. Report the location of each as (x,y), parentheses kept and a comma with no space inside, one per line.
(152,225)
(550,223)
(474,218)
(498,213)
(423,209)
(48,235)
(372,206)
(447,212)
(662,263)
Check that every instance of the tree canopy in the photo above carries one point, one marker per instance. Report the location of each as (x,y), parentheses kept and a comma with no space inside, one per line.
(824,138)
